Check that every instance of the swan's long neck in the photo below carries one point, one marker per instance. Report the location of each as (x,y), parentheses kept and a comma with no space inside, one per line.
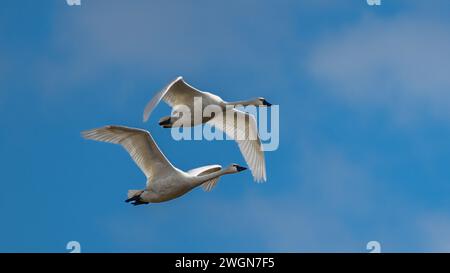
(202,179)
(243,102)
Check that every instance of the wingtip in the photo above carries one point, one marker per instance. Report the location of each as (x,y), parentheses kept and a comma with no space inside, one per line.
(147,111)
(144,118)
(260,180)
(85,133)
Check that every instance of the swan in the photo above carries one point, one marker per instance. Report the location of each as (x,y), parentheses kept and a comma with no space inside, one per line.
(180,94)
(164,181)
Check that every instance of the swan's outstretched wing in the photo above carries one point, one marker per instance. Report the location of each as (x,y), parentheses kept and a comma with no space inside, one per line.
(138,143)
(242,127)
(208,185)
(177,92)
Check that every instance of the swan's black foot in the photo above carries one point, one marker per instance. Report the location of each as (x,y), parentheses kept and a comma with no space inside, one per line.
(136,201)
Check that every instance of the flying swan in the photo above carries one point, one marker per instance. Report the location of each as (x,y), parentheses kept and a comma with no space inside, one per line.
(243,129)
(164,181)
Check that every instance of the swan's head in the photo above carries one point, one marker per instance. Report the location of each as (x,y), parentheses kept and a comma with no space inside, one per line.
(262,102)
(236,168)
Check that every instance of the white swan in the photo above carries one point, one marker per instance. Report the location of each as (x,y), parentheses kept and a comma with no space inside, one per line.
(180,94)
(164,181)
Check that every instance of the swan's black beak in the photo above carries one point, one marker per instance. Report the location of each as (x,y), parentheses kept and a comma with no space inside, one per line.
(240,168)
(266,103)
(165,122)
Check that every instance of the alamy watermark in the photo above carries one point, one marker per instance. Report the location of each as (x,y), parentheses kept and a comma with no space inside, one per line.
(73,2)
(232,122)
(373,2)
(373,247)
(78,2)
(74,247)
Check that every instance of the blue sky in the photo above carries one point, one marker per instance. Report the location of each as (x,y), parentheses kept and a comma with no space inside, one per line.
(364,124)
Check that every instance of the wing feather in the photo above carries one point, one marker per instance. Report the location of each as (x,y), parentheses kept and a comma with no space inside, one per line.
(243,129)
(138,143)
(208,185)
(177,92)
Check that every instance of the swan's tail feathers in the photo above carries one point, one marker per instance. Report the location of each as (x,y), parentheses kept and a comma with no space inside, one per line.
(134,193)
(134,196)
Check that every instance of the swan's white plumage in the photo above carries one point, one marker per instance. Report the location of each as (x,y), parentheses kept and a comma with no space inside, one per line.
(138,143)
(208,185)
(164,181)
(205,170)
(178,92)
(242,127)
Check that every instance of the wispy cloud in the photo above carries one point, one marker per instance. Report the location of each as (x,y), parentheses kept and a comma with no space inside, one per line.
(435,230)
(399,64)
(166,39)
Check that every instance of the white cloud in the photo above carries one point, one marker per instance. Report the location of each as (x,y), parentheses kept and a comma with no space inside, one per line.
(435,230)
(400,64)
(164,39)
